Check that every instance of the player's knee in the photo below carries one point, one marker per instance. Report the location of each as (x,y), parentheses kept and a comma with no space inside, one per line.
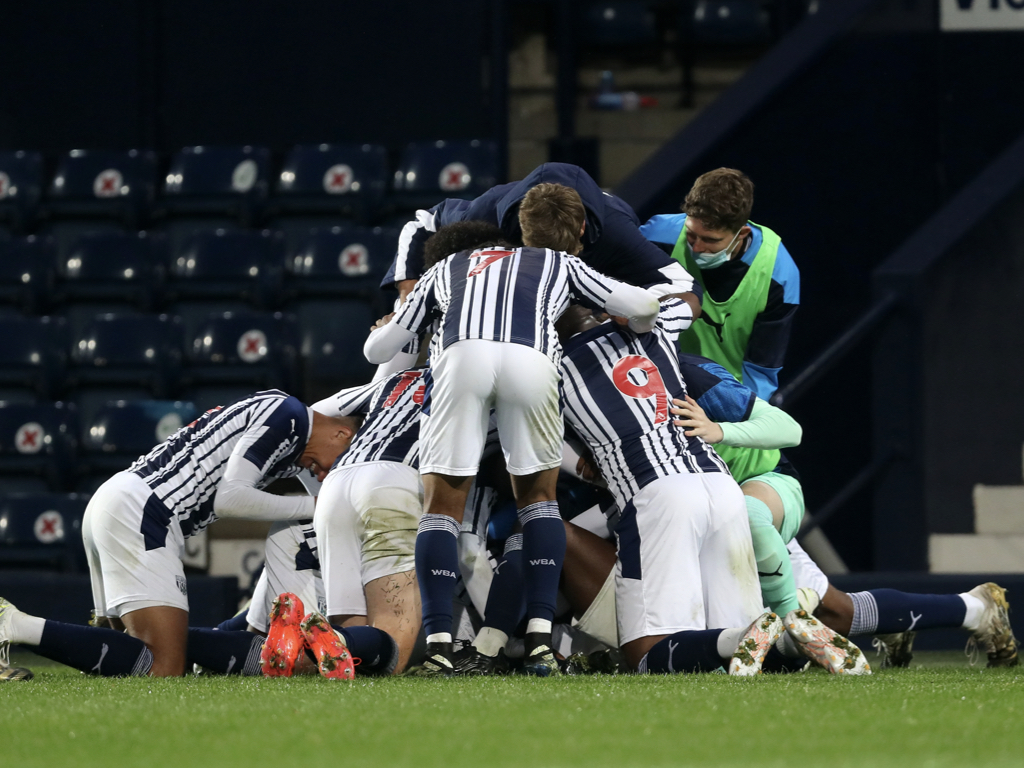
(758,513)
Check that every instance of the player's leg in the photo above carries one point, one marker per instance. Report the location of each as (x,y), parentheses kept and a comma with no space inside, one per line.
(452,438)
(769,515)
(290,565)
(530,427)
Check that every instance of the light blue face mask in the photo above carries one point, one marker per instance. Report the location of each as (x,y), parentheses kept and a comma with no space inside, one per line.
(712,260)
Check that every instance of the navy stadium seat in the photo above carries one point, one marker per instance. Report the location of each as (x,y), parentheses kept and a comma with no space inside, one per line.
(128,349)
(33,353)
(27,267)
(227,264)
(21,186)
(431,171)
(347,179)
(121,431)
(39,439)
(257,349)
(340,261)
(333,333)
(731,22)
(109,266)
(109,183)
(622,22)
(42,529)
(230,181)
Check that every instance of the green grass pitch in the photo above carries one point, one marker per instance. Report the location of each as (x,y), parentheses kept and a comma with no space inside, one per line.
(939,713)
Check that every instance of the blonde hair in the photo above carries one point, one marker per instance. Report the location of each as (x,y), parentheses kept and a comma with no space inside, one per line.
(552,216)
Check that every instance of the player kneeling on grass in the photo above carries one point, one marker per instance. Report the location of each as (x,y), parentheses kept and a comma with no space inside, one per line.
(136,523)
(685,561)
(498,349)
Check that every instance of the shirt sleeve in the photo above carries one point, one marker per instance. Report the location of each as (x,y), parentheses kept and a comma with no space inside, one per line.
(409,322)
(348,402)
(408,261)
(675,316)
(767,427)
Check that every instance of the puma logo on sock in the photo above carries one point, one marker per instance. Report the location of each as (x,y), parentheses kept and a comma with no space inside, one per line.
(99,664)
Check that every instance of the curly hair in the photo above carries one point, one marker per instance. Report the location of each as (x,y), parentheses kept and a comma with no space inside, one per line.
(461,236)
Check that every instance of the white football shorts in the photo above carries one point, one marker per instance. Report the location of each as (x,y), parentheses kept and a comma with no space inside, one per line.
(289,566)
(125,575)
(474,375)
(366,518)
(685,558)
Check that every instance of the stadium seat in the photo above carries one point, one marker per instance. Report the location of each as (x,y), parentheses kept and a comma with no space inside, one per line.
(121,431)
(21,185)
(105,183)
(227,264)
(346,179)
(207,396)
(39,440)
(229,181)
(111,266)
(333,333)
(340,261)
(731,22)
(128,349)
(42,529)
(623,22)
(255,349)
(33,353)
(27,273)
(431,171)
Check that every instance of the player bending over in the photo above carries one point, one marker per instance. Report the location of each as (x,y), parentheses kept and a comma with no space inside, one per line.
(136,523)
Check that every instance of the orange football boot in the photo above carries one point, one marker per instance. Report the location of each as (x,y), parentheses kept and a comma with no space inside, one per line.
(285,642)
(332,655)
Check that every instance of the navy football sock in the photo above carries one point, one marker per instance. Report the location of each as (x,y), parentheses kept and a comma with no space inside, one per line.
(376,649)
(506,600)
(692,650)
(437,570)
(887,611)
(237,623)
(225,652)
(95,649)
(543,553)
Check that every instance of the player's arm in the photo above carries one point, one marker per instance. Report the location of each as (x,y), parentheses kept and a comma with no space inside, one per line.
(255,453)
(396,331)
(766,426)
(616,298)
(772,327)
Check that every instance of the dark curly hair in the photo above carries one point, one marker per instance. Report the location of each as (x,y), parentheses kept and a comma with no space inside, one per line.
(461,236)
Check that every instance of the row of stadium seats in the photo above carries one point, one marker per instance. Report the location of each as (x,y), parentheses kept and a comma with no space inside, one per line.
(167,354)
(150,270)
(51,446)
(244,183)
(718,22)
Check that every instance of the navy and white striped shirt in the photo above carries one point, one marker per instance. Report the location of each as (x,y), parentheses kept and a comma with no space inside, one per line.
(391,427)
(497,294)
(271,430)
(617,388)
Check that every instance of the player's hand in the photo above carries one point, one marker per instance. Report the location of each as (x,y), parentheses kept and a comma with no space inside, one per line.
(693,418)
(382,322)
(588,471)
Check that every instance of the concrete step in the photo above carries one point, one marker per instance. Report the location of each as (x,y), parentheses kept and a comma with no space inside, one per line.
(999,509)
(976,553)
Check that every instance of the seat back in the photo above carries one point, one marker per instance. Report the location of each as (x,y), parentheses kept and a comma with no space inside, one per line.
(121,348)
(27,273)
(21,184)
(109,265)
(333,333)
(619,22)
(255,347)
(340,261)
(132,428)
(39,439)
(228,263)
(218,180)
(42,528)
(731,22)
(435,170)
(107,182)
(33,352)
(348,178)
